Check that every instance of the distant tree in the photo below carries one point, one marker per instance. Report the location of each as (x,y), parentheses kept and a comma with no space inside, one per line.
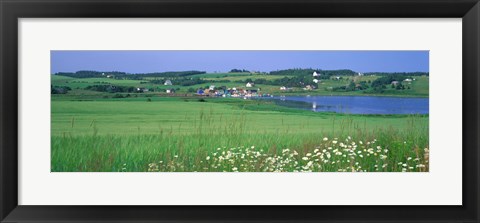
(399,86)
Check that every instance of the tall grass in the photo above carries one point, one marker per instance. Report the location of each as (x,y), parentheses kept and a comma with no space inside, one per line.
(218,144)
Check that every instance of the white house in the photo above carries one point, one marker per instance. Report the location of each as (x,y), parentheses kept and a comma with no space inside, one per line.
(283,88)
(168,82)
(408,80)
(170,91)
(308,88)
(360,74)
(315,81)
(250,84)
(315,74)
(212,87)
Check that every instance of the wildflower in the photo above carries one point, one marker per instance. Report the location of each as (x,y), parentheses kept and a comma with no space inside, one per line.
(309,154)
(325,139)
(208,157)
(253,147)
(305,158)
(334,142)
(409,158)
(234,169)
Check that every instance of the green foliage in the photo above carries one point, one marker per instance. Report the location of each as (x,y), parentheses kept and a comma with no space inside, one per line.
(239,71)
(59,89)
(121,75)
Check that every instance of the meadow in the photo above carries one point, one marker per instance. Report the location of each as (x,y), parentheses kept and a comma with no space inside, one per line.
(193,134)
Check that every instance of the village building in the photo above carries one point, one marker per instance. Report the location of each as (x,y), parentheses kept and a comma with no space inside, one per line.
(315,81)
(395,83)
(408,80)
(250,84)
(283,88)
(170,91)
(212,87)
(337,77)
(200,91)
(360,74)
(315,74)
(168,82)
(309,87)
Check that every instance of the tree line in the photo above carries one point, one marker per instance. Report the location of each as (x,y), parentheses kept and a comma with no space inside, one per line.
(123,75)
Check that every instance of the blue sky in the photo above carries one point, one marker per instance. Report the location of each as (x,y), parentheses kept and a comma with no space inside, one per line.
(135,61)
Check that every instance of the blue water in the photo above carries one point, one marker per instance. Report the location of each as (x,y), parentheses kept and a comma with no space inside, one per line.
(360,104)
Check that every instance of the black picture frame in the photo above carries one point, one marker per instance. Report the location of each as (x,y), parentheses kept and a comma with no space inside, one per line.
(12,10)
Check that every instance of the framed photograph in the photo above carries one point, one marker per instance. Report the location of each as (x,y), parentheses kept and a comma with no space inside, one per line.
(261,111)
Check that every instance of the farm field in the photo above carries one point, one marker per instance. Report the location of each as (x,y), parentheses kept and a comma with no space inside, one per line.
(418,88)
(185,134)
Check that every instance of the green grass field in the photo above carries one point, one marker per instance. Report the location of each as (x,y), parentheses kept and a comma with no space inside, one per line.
(184,134)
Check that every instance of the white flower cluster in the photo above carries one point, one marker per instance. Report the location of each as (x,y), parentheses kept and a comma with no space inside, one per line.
(331,155)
